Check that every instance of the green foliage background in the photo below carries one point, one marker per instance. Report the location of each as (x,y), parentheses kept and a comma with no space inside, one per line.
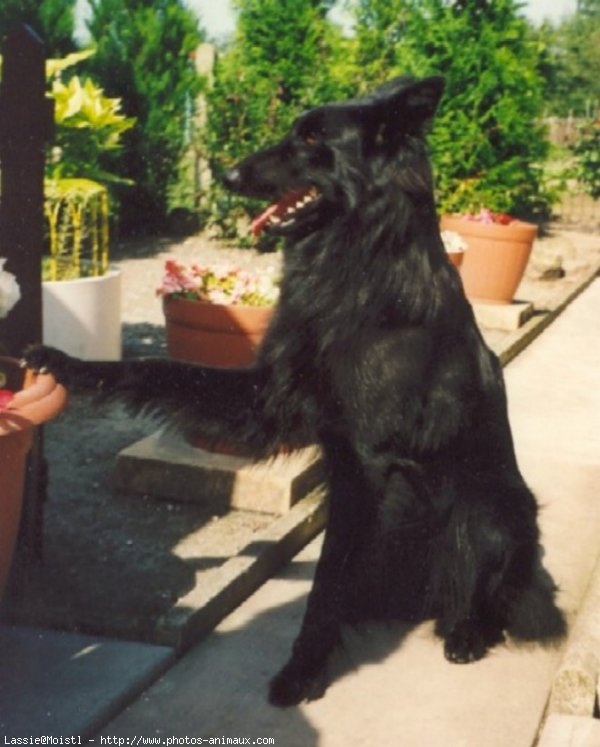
(285,57)
(503,76)
(144,56)
(570,62)
(487,146)
(52,20)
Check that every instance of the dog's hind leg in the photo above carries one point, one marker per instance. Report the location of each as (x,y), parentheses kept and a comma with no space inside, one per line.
(471,574)
(488,573)
(470,623)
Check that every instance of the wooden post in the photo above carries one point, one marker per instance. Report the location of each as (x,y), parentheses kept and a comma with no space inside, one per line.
(26,125)
(26,121)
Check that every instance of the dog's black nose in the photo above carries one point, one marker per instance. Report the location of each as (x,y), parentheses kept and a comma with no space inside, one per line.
(232,178)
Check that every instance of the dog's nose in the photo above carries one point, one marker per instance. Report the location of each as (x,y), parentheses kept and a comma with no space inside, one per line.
(232,178)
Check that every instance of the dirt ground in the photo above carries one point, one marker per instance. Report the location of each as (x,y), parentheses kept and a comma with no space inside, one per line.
(113,563)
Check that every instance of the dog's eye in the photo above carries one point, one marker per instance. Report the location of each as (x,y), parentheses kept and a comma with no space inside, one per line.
(310,139)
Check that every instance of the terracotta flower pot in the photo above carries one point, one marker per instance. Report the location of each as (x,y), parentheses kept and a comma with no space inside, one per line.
(214,334)
(456,258)
(38,399)
(496,258)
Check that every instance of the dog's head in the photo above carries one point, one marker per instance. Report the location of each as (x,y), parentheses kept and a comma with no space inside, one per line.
(330,151)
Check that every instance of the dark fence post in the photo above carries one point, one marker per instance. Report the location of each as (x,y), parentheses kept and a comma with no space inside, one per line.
(26,125)
(26,118)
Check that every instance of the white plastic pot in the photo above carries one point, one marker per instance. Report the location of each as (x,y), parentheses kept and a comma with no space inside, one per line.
(83,317)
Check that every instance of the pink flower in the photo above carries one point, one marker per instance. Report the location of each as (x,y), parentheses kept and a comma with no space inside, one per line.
(487,216)
(221,285)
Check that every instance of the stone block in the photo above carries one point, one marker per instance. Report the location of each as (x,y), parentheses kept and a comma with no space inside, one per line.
(165,465)
(578,731)
(507,317)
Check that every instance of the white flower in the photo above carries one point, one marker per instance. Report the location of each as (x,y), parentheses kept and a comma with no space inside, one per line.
(10,292)
(453,243)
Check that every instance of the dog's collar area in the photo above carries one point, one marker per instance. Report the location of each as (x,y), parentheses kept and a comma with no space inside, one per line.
(286,211)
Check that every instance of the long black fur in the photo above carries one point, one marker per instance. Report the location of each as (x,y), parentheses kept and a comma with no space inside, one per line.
(373,353)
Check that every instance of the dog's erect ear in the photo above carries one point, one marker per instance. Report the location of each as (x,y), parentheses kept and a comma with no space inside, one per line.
(409,104)
(424,97)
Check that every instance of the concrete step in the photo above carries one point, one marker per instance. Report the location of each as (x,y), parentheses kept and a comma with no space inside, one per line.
(66,684)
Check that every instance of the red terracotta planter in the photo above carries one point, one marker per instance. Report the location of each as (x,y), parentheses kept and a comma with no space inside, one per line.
(456,258)
(496,258)
(38,399)
(214,334)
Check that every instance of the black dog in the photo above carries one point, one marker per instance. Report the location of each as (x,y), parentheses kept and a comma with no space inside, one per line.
(374,353)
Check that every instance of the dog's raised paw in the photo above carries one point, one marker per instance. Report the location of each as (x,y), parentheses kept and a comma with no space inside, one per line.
(43,359)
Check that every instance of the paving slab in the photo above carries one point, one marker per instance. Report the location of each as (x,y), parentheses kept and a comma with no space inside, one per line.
(392,686)
(165,464)
(63,684)
(507,317)
(570,731)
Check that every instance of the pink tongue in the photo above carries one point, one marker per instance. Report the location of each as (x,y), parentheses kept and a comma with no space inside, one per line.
(259,222)
(278,208)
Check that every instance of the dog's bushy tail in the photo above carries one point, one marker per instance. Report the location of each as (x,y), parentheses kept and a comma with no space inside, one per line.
(533,613)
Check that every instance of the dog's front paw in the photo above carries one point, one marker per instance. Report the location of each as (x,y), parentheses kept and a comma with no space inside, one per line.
(467,643)
(293,685)
(43,359)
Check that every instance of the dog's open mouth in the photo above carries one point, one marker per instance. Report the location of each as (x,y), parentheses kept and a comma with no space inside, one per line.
(286,211)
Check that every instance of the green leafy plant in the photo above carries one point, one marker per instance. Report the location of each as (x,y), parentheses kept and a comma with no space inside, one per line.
(587,153)
(487,146)
(89,124)
(76,212)
(52,20)
(570,60)
(145,56)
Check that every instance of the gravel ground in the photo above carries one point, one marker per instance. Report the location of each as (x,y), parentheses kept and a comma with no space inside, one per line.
(113,563)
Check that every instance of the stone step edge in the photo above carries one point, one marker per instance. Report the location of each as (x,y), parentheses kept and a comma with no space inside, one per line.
(199,611)
(521,338)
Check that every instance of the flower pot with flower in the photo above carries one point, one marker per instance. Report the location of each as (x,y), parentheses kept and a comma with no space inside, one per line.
(26,401)
(499,248)
(81,292)
(455,247)
(216,316)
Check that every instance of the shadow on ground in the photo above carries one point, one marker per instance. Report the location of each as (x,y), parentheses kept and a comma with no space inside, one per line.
(108,564)
(144,340)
